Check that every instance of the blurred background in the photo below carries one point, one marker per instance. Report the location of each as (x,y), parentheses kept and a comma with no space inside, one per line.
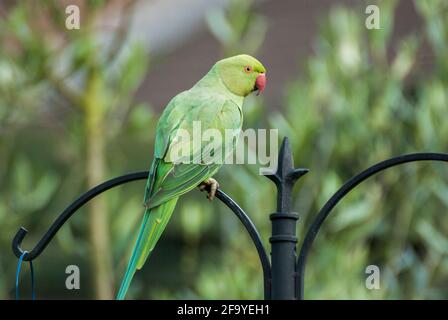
(78,107)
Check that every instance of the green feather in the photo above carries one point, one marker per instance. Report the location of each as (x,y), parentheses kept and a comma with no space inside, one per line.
(153,224)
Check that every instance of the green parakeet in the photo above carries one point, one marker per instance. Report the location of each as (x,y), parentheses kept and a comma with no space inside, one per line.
(215,102)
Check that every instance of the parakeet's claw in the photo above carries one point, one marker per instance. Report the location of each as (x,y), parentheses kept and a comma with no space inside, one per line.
(210,185)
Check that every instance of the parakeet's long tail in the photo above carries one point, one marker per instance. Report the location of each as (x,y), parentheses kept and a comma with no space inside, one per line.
(153,224)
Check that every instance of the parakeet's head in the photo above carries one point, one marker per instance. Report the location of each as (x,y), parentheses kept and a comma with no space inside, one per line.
(242,74)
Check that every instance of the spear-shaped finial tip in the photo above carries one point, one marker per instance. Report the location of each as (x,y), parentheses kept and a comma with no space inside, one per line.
(285,165)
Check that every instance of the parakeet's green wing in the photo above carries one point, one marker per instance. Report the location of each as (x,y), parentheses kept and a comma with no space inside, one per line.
(212,112)
(167,180)
(174,181)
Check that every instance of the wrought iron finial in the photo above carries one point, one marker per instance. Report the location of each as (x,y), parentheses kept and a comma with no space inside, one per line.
(285,176)
(284,221)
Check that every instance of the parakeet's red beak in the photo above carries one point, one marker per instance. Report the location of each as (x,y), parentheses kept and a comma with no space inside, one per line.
(260,82)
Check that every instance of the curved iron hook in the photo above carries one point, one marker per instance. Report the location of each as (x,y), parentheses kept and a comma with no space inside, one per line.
(67,213)
(256,239)
(92,193)
(341,193)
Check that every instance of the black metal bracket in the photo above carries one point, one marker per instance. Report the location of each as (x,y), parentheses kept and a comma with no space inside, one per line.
(284,240)
(285,279)
(288,271)
(340,194)
(89,195)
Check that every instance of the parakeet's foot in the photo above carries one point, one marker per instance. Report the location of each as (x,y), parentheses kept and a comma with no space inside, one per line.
(211,185)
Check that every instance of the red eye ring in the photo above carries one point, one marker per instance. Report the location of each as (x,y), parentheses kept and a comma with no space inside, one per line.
(248,69)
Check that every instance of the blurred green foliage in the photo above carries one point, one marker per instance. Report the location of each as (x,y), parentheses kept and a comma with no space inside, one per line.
(374,102)
(238,27)
(65,97)
(362,98)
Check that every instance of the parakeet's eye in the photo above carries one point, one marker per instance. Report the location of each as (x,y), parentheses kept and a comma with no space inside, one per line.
(248,69)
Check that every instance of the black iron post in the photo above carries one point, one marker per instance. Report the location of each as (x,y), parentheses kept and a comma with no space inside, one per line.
(283,240)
